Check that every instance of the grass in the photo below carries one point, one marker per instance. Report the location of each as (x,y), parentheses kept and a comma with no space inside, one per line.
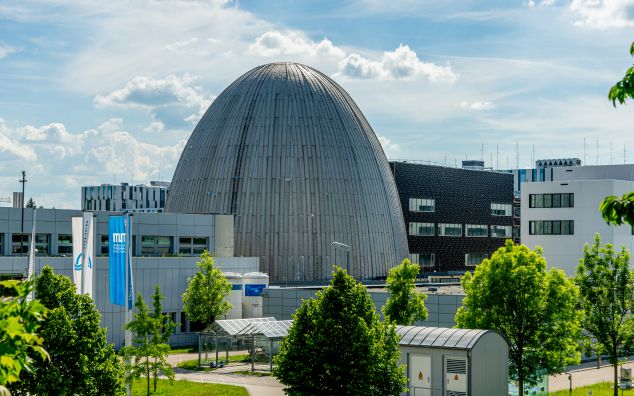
(185,349)
(187,388)
(600,389)
(255,373)
(193,364)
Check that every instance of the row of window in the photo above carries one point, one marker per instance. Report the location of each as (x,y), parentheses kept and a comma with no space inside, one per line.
(560,200)
(429,205)
(150,245)
(455,230)
(428,260)
(551,227)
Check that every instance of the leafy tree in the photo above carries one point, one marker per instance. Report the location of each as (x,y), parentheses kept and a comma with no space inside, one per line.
(206,296)
(149,354)
(82,361)
(338,346)
(606,287)
(405,304)
(165,328)
(31,203)
(513,293)
(624,89)
(20,321)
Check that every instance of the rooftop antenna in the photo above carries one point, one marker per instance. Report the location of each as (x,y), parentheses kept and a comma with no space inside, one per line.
(533,156)
(624,157)
(610,153)
(597,151)
(507,161)
(584,150)
(517,155)
(445,159)
(497,156)
(491,163)
(482,152)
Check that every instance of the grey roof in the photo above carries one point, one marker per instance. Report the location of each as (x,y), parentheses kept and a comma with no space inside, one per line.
(439,337)
(232,327)
(287,151)
(275,329)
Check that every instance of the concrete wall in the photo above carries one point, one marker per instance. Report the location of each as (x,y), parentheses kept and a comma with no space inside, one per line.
(281,303)
(595,172)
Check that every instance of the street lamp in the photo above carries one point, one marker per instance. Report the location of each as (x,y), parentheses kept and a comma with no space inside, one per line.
(345,247)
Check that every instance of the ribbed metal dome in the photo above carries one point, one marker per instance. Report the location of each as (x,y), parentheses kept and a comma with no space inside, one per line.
(289,153)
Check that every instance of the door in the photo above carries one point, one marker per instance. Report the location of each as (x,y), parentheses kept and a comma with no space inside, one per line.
(420,374)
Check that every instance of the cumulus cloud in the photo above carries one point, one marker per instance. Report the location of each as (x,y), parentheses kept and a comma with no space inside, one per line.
(6,50)
(293,43)
(389,147)
(11,148)
(169,101)
(604,14)
(402,63)
(478,106)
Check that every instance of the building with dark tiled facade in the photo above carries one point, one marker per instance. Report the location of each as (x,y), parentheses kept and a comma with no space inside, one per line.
(454,217)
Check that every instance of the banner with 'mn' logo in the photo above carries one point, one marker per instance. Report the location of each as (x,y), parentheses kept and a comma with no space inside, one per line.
(118,252)
(83,252)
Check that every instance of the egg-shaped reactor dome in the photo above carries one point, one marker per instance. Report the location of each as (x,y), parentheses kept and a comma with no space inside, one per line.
(288,152)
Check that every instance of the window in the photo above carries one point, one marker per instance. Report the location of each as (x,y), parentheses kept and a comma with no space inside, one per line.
(64,244)
(16,239)
(445,229)
(422,229)
(42,244)
(104,246)
(498,209)
(473,259)
(559,200)
(477,230)
(192,245)
(499,231)
(156,245)
(422,205)
(423,259)
(551,227)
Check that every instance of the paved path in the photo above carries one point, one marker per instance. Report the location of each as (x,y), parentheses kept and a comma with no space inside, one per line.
(583,377)
(256,386)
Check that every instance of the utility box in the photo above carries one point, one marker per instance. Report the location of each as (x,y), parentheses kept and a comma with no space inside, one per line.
(454,362)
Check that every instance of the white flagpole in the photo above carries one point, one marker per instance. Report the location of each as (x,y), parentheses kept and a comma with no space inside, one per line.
(31,265)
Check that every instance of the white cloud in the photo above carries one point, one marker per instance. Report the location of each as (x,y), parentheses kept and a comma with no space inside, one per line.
(478,106)
(402,63)
(6,50)
(604,14)
(389,147)
(294,43)
(11,148)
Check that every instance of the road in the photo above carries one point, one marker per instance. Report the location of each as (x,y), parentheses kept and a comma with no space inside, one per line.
(583,377)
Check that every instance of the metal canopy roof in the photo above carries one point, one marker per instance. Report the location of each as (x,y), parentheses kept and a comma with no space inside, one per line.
(273,329)
(232,327)
(438,337)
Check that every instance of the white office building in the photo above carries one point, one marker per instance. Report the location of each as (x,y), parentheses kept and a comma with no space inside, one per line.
(562,215)
(125,197)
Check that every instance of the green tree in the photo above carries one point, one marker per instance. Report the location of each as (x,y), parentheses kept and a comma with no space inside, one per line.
(165,328)
(338,346)
(31,203)
(606,286)
(20,321)
(405,304)
(82,361)
(206,296)
(149,353)
(623,89)
(513,293)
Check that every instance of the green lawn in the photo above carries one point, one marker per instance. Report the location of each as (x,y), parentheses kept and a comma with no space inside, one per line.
(187,388)
(193,364)
(600,389)
(186,349)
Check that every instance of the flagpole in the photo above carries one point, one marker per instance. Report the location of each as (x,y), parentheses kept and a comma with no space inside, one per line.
(84,242)
(31,265)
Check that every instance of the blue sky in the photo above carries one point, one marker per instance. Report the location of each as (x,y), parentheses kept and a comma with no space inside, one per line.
(93,92)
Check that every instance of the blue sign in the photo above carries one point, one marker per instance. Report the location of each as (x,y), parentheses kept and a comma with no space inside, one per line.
(117,249)
(253,290)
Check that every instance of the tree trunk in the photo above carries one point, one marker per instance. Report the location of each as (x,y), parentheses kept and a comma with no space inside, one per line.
(147,370)
(616,372)
(155,375)
(520,384)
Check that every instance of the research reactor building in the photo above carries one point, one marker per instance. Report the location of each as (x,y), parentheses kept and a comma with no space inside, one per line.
(289,154)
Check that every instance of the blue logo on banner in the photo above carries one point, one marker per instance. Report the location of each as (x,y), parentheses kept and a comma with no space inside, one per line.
(78,262)
(253,290)
(118,260)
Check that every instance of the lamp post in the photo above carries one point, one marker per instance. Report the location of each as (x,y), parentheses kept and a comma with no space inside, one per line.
(23,181)
(345,247)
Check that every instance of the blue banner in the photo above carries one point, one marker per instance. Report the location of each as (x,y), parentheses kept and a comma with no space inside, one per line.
(117,249)
(253,290)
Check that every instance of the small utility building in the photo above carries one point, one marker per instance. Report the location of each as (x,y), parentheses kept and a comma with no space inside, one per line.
(454,362)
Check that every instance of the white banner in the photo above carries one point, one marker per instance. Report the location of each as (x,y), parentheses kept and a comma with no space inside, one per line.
(83,252)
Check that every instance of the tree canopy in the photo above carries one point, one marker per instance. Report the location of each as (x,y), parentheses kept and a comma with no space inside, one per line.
(206,296)
(81,360)
(338,346)
(606,286)
(623,89)
(405,304)
(513,293)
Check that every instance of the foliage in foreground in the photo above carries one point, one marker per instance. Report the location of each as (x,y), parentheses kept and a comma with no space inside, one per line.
(606,286)
(623,89)
(81,360)
(338,346)
(20,321)
(405,304)
(600,389)
(188,388)
(513,293)
(206,296)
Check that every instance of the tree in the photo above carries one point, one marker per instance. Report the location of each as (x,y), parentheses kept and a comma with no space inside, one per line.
(606,287)
(536,309)
(624,89)
(337,345)
(31,203)
(165,328)
(405,304)
(20,321)
(206,296)
(149,354)
(81,360)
